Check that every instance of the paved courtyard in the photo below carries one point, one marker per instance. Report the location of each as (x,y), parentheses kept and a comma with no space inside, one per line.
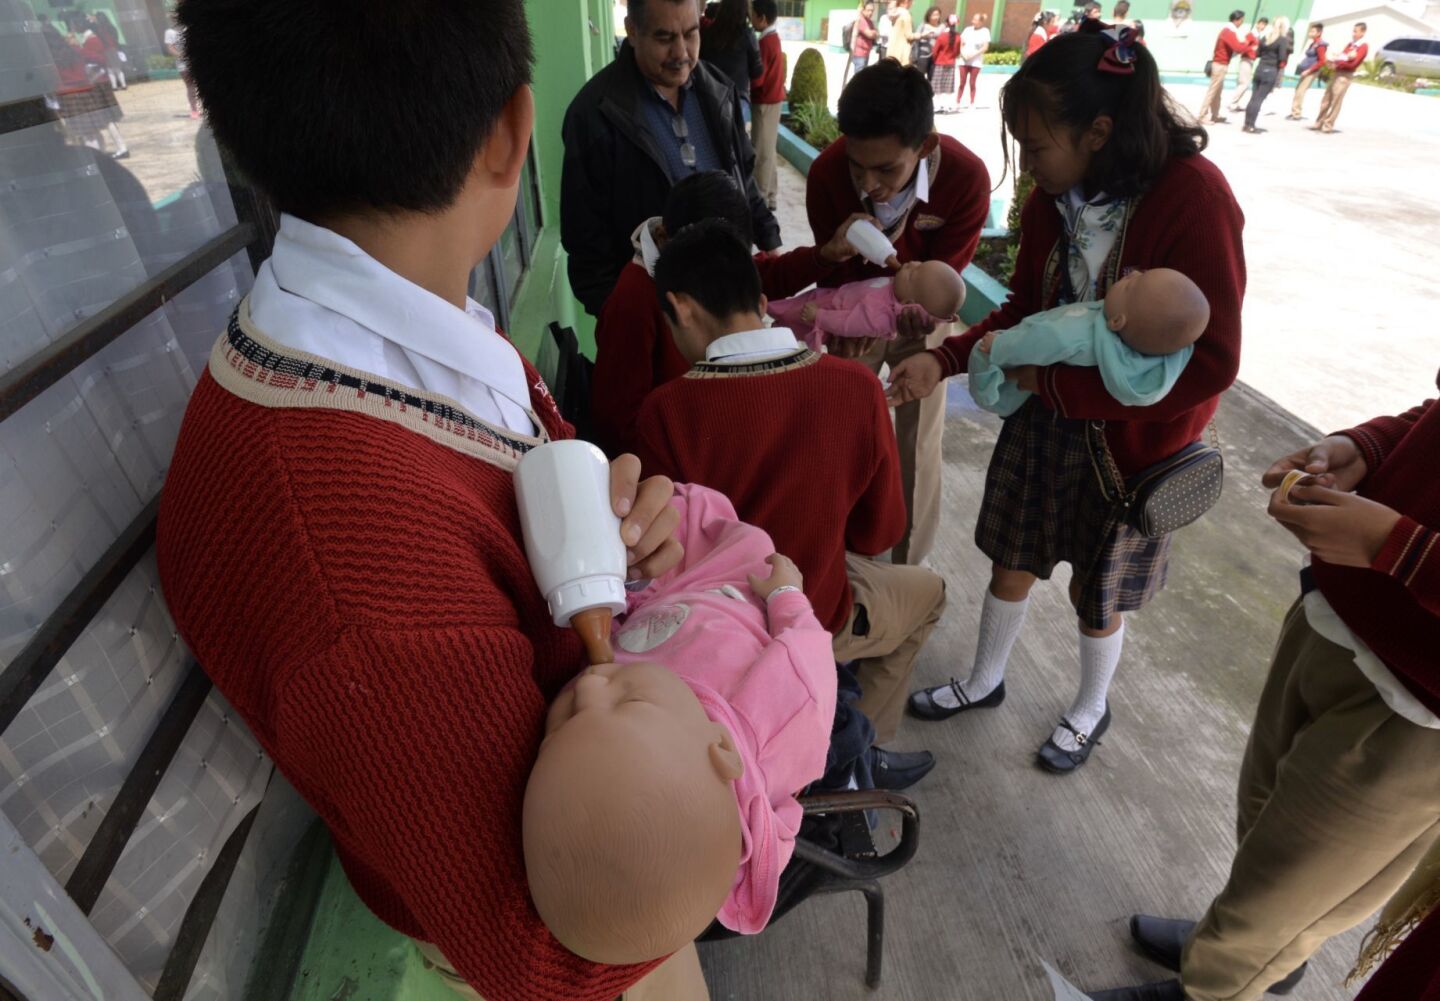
(1342,241)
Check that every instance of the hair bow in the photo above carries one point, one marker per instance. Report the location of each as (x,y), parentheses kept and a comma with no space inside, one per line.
(1120,56)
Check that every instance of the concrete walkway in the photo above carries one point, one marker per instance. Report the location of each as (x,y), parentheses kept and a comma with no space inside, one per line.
(1016,865)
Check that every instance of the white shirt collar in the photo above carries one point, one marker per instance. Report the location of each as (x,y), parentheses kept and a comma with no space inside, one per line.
(917,190)
(320,293)
(750,346)
(647,251)
(769,31)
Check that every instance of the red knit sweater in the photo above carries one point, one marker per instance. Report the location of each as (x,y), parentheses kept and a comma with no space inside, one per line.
(1190,222)
(1411,973)
(1395,606)
(803,448)
(945,228)
(635,352)
(769,86)
(344,558)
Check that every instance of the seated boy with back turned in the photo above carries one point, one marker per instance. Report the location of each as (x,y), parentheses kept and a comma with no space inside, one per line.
(338,540)
(802,445)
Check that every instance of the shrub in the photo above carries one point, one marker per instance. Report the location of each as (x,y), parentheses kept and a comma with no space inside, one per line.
(815,123)
(1011,58)
(160,62)
(807,83)
(1024,184)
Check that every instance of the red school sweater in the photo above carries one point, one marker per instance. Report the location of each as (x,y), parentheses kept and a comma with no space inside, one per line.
(802,446)
(1229,43)
(344,558)
(1188,221)
(1395,605)
(769,86)
(945,228)
(635,352)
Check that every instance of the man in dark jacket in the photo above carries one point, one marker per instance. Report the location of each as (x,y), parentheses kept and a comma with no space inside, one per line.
(654,116)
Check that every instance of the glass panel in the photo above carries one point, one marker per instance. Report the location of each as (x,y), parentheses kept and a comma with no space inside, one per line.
(510,262)
(117,181)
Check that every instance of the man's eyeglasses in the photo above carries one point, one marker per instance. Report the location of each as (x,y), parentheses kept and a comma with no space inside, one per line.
(682,132)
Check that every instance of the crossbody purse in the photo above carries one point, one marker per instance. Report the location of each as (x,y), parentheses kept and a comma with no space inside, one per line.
(1173,492)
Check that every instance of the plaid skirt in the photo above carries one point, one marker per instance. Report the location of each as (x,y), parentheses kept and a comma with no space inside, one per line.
(1043,505)
(90,109)
(943,80)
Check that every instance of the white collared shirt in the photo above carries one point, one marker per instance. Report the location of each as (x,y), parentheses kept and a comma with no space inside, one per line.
(321,294)
(888,213)
(750,346)
(768,31)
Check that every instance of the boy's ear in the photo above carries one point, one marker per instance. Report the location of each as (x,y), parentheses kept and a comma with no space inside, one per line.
(764,304)
(723,757)
(928,146)
(682,310)
(1099,132)
(503,155)
(1116,322)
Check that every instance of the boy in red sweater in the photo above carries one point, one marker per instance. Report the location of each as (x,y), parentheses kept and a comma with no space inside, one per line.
(801,444)
(338,538)
(1351,59)
(634,351)
(767,93)
(930,195)
(1340,787)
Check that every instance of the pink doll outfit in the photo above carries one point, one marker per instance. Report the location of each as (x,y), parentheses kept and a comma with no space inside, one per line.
(766,674)
(865,308)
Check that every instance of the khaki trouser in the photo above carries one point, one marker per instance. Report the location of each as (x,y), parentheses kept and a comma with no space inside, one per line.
(1242,86)
(1330,103)
(919,427)
(1210,107)
(764,133)
(677,979)
(1301,86)
(897,606)
(1339,801)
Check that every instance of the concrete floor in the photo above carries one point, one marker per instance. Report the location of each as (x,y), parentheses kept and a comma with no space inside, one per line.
(1016,865)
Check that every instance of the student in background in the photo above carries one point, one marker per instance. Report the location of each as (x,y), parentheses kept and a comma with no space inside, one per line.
(974,43)
(767,93)
(1351,59)
(1228,44)
(863,39)
(1309,69)
(1246,74)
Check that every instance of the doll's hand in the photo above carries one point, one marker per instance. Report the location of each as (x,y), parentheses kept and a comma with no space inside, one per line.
(987,341)
(850,347)
(649,522)
(808,312)
(913,324)
(914,379)
(840,248)
(783,573)
(1335,462)
(1343,529)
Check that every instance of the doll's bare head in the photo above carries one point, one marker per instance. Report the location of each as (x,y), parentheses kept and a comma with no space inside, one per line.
(631,827)
(1157,312)
(934,286)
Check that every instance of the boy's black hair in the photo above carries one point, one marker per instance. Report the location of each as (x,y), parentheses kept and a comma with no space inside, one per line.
(888,99)
(1122,7)
(768,9)
(1362,26)
(710,263)
(374,106)
(1317,25)
(1237,15)
(710,194)
(1261,20)
(1064,82)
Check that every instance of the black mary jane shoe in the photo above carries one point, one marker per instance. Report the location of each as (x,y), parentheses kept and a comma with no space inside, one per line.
(922,704)
(1053,758)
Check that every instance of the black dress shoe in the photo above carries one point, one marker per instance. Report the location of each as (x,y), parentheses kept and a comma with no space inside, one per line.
(1163,940)
(1166,990)
(922,704)
(896,770)
(1054,758)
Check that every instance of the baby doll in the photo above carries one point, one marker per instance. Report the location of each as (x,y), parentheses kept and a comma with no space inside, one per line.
(664,791)
(1140,337)
(870,308)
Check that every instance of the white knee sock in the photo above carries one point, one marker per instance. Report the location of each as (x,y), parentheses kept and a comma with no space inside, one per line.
(1099,656)
(1000,623)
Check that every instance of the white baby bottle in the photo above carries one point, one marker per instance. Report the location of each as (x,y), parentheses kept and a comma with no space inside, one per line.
(572,539)
(865,237)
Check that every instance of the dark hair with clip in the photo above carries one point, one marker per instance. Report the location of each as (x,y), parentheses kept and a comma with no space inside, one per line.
(1072,80)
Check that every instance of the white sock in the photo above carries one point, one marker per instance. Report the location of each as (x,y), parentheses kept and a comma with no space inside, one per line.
(1099,656)
(1000,623)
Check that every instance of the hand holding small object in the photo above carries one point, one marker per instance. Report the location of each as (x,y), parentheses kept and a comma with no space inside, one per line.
(1343,529)
(648,521)
(1334,462)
